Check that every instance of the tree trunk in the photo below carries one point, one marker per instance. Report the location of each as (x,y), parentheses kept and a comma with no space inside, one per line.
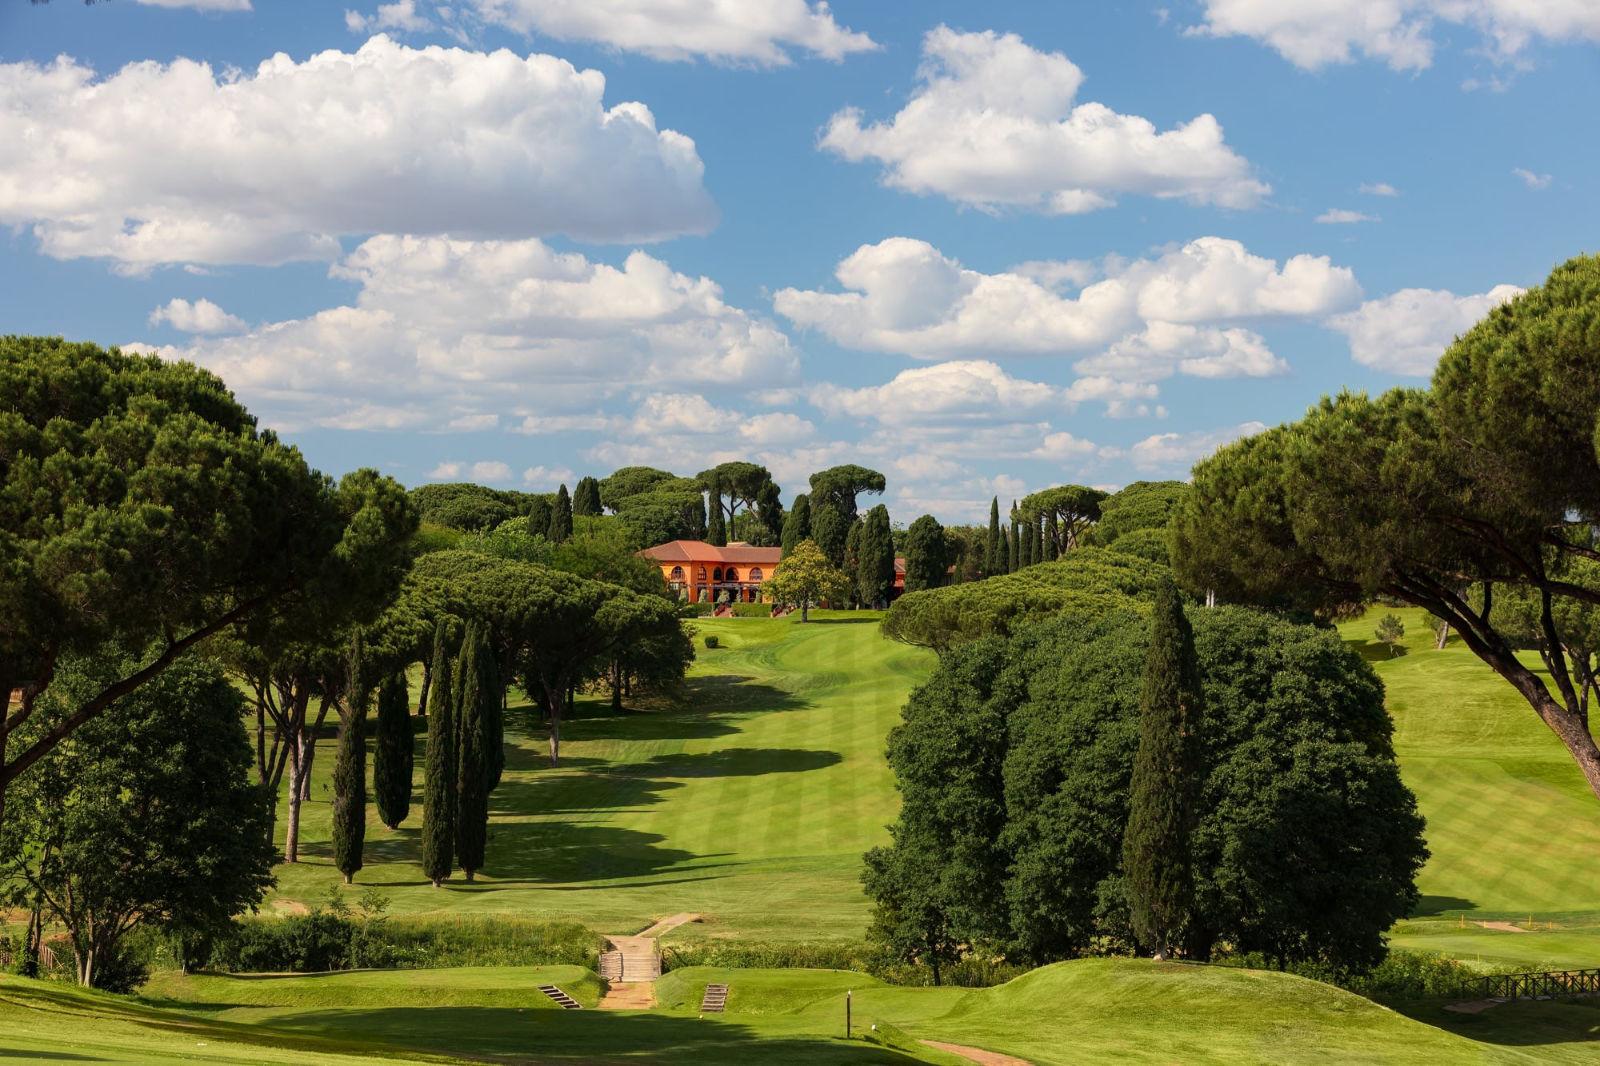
(805,610)
(1444,636)
(553,699)
(616,685)
(309,741)
(1567,725)
(291,830)
(427,683)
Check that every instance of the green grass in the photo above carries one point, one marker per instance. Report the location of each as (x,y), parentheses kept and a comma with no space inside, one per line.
(1092,1010)
(751,804)
(1514,831)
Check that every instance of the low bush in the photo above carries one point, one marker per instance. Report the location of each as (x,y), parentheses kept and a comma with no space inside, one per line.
(697,610)
(335,938)
(863,957)
(1401,976)
(711,640)
(752,610)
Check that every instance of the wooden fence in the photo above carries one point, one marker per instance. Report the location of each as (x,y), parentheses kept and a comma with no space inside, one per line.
(1551,984)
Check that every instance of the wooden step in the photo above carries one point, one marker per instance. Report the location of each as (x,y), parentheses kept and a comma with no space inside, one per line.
(715,1001)
(611,965)
(565,1001)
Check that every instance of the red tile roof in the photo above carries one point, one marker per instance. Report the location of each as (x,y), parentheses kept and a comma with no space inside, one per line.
(698,551)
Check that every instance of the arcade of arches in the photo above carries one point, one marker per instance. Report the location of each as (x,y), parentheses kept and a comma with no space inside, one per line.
(702,573)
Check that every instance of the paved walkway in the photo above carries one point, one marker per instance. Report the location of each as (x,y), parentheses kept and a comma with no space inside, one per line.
(977,1054)
(667,924)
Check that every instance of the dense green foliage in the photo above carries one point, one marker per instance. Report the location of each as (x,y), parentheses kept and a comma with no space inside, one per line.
(560,517)
(1307,845)
(927,554)
(1088,579)
(1487,479)
(1164,793)
(350,780)
(994,559)
(1069,511)
(586,497)
(146,817)
(479,690)
(540,509)
(394,751)
(807,579)
(140,505)
(468,507)
(1140,506)
(439,781)
(796,524)
(875,559)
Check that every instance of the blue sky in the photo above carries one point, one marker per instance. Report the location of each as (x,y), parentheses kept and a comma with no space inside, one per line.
(983,248)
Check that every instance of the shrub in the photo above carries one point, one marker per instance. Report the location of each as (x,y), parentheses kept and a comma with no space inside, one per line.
(711,640)
(697,610)
(1402,976)
(861,956)
(752,610)
(334,939)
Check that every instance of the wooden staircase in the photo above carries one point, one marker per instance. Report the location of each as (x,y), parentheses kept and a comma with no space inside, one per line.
(611,966)
(644,965)
(565,1001)
(715,1001)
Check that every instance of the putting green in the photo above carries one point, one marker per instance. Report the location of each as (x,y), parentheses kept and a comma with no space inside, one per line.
(751,804)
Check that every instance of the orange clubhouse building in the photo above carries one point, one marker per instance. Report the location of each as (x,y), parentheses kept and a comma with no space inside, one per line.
(701,572)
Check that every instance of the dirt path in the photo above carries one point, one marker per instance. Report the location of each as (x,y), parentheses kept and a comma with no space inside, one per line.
(977,1054)
(631,995)
(667,924)
(1504,927)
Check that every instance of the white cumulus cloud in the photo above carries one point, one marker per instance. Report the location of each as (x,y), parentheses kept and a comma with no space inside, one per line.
(402,15)
(483,470)
(995,124)
(971,390)
(1406,332)
(460,328)
(1400,33)
(201,316)
(904,296)
(1378,188)
(760,32)
(167,163)
(1175,453)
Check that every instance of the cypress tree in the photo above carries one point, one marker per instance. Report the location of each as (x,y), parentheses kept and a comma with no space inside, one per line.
(586,497)
(394,751)
(1167,775)
(439,788)
(561,517)
(716,526)
(852,558)
(539,516)
(472,765)
(494,733)
(1050,554)
(830,528)
(698,513)
(1026,548)
(875,558)
(1010,548)
(797,523)
(350,775)
(1038,542)
(991,559)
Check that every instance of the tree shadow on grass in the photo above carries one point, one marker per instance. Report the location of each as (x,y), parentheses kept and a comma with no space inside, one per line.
(1520,1024)
(741,762)
(1374,651)
(1432,906)
(870,620)
(578,1036)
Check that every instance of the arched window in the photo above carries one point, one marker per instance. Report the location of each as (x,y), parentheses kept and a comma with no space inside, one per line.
(716,575)
(677,574)
(731,574)
(702,575)
(755,573)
